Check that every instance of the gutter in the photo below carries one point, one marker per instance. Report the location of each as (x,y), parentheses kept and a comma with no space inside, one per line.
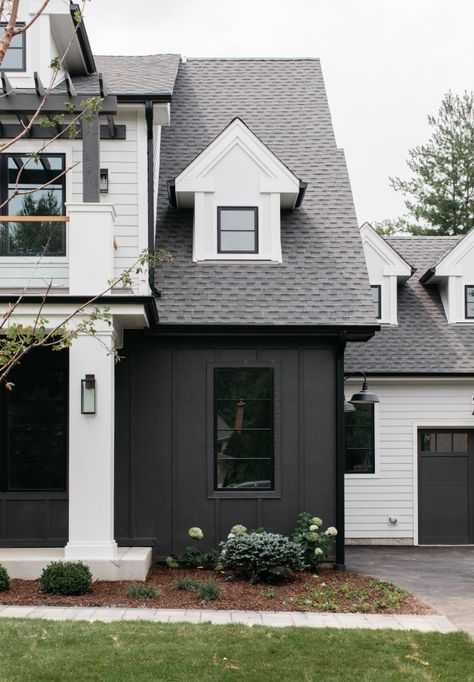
(301,193)
(150,187)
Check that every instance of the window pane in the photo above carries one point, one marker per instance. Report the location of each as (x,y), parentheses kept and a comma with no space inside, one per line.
(376,299)
(35,238)
(428,442)
(469,301)
(459,442)
(360,440)
(443,442)
(14,57)
(237,241)
(244,440)
(36,430)
(237,220)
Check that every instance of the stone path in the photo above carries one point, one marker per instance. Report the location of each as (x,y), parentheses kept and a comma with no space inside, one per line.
(440,576)
(268,618)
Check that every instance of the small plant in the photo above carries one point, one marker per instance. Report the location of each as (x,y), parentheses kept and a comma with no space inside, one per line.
(315,543)
(66,577)
(209,590)
(262,556)
(139,591)
(269,593)
(4,579)
(193,557)
(187,584)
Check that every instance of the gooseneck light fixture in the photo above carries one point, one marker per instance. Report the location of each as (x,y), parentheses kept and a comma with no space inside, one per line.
(362,397)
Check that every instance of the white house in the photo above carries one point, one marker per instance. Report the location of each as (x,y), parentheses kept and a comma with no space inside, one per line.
(410,458)
(228,403)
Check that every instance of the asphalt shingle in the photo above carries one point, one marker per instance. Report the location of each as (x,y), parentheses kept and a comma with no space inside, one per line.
(323,278)
(423,341)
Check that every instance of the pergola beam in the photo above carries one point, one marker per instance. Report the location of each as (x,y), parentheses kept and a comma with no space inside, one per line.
(28,102)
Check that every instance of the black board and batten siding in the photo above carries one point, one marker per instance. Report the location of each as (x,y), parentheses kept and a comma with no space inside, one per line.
(163,439)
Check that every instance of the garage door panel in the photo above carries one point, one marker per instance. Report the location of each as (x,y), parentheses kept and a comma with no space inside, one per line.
(450,470)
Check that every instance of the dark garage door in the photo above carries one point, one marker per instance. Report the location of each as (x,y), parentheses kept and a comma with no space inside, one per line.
(446,486)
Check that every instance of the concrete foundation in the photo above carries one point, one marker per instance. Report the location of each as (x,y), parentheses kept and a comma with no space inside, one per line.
(132,563)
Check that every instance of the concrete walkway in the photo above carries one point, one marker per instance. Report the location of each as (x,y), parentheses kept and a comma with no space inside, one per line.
(440,576)
(268,618)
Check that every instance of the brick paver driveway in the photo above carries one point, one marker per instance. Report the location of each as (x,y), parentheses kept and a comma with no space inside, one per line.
(441,576)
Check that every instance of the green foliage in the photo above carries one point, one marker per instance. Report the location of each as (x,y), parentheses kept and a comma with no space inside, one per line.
(209,590)
(4,579)
(187,584)
(66,577)
(316,545)
(140,591)
(269,593)
(440,195)
(262,556)
(193,557)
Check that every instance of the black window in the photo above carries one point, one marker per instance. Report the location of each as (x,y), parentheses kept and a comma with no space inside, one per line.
(237,229)
(243,429)
(34,429)
(25,238)
(376,290)
(360,450)
(14,59)
(469,302)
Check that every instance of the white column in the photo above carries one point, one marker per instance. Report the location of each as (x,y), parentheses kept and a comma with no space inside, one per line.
(91,451)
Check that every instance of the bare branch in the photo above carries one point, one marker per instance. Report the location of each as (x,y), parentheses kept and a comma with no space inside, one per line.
(22,29)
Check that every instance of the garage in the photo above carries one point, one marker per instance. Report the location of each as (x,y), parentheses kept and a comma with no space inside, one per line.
(446,486)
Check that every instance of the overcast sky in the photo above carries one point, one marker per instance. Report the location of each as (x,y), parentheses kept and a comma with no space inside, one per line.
(387,63)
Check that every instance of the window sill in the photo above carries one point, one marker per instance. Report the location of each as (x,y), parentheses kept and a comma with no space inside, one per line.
(357,476)
(33,260)
(243,494)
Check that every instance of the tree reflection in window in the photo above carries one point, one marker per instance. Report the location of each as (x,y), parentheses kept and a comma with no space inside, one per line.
(243,444)
(360,451)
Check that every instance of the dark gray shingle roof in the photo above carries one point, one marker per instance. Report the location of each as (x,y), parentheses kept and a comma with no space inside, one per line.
(423,340)
(323,278)
(154,73)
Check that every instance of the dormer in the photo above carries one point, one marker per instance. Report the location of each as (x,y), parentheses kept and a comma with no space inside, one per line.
(387,271)
(237,188)
(54,34)
(454,276)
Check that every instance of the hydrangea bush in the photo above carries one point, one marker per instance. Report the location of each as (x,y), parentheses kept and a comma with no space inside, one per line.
(261,556)
(194,557)
(316,544)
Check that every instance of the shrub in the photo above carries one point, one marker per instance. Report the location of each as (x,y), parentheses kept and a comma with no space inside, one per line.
(315,543)
(4,579)
(209,590)
(262,556)
(66,577)
(193,557)
(187,584)
(139,591)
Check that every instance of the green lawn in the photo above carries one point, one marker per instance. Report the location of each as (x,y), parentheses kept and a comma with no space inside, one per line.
(43,650)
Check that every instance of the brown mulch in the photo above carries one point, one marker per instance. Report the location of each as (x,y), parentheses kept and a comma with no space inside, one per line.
(235,593)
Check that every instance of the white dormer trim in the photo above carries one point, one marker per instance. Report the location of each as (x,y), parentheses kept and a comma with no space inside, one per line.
(236,171)
(386,268)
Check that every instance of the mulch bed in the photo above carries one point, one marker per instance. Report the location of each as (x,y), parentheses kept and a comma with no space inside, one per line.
(297,595)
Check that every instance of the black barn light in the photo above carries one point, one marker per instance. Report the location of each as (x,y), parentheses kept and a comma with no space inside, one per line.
(364,396)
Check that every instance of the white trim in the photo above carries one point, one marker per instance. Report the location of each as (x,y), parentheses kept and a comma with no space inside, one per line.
(417,425)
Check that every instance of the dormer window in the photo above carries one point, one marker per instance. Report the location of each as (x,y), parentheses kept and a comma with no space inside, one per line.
(14,59)
(237,229)
(469,294)
(377,300)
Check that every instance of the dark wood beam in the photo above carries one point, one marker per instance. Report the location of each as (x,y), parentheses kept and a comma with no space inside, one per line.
(6,85)
(102,86)
(111,126)
(28,102)
(90,160)
(38,132)
(71,90)
(39,88)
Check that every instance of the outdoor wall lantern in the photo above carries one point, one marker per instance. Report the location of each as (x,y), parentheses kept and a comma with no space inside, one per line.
(88,394)
(364,396)
(104,180)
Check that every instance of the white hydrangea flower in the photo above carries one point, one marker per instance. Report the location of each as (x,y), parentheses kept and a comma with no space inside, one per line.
(195,533)
(238,529)
(331,532)
(318,551)
(313,528)
(317,521)
(230,536)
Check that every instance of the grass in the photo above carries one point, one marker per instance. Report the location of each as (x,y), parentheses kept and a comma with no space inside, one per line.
(139,591)
(45,651)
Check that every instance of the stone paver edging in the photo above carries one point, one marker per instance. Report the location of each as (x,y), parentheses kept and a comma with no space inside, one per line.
(269,618)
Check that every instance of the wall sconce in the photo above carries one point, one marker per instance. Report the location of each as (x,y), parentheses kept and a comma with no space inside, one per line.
(88,394)
(364,396)
(104,180)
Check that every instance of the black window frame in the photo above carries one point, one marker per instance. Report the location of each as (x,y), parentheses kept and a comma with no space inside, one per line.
(4,195)
(221,209)
(353,472)
(466,288)
(228,493)
(379,302)
(59,364)
(22,69)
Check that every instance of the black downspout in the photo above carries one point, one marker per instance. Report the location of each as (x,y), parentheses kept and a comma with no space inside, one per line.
(340,453)
(151,198)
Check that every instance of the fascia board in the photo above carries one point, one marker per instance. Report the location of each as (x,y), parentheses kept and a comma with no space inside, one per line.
(397,266)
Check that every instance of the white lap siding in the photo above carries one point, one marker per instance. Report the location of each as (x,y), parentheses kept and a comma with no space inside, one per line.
(405,405)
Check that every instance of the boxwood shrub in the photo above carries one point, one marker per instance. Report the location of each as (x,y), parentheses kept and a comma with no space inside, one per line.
(4,579)
(66,577)
(262,556)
